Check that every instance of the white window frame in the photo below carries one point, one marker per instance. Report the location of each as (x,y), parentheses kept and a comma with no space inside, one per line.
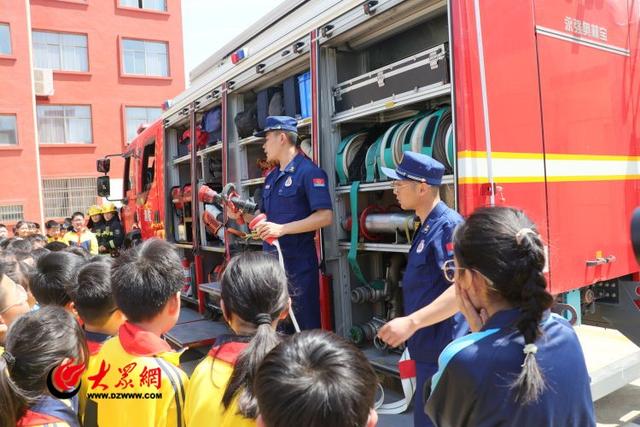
(61,197)
(10,213)
(41,107)
(10,52)
(15,130)
(142,4)
(147,119)
(46,62)
(146,53)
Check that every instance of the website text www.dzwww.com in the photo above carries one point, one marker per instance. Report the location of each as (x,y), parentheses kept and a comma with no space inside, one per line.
(116,396)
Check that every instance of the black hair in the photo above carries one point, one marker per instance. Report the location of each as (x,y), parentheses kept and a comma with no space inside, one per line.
(19,245)
(18,271)
(3,226)
(36,254)
(56,246)
(75,214)
(36,238)
(37,342)
(254,288)
(145,277)
(78,251)
(91,295)
(55,273)
(52,223)
(5,242)
(315,379)
(503,244)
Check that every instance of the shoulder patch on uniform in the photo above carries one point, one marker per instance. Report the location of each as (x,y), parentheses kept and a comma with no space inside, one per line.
(319,182)
(449,247)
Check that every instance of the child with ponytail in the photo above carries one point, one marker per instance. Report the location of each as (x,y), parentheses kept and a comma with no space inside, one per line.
(254,298)
(38,343)
(522,365)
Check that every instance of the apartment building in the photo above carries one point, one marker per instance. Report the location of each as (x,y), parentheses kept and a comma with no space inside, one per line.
(77,79)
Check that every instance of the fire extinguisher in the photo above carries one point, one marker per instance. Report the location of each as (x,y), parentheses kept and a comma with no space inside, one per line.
(186,272)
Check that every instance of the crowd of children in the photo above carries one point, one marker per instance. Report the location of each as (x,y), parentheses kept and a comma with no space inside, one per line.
(67,315)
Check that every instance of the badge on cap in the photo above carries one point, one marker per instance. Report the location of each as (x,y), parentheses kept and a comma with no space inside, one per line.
(288,182)
(420,247)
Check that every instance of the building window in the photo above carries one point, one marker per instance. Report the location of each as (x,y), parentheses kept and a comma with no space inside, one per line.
(5,39)
(145,58)
(64,124)
(136,116)
(64,196)
(60,51)
(11,213)
(160,5)
(8,133)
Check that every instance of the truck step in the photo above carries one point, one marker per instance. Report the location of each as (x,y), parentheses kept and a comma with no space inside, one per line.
(212,289)
(196,334)
(188,315)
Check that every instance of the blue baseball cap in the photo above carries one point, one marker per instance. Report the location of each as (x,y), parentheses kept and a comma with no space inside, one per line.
(283,123)
(417,167)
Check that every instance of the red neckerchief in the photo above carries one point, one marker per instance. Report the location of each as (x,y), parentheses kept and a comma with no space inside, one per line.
(138,342)
(31,418)
(228,352)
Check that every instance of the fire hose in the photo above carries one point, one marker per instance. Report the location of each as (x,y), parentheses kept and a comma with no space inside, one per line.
(228,198)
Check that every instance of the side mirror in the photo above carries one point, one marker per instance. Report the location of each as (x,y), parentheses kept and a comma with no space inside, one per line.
(103,165)
(635,233)
(104,187)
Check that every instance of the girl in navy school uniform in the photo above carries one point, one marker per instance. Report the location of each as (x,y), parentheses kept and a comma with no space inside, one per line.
(37,343)
(522,366)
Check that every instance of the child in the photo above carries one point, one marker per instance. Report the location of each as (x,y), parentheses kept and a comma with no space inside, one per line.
(316,379)
(93,300)
(55,275)
(146,283)
(54,233)
(254,297)
(38,342)
(14,302)
(522,366)
(80,235)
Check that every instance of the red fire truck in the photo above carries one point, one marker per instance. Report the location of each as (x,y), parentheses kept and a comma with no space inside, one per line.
(533,104)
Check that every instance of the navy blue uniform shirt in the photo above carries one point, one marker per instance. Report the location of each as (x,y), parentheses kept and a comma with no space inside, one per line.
(423,282)
(472,386)
(294,194)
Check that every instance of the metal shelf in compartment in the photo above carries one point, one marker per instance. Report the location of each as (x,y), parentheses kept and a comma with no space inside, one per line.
(378,247)
(381,186)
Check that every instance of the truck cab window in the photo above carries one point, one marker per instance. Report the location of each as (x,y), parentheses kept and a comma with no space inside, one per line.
(148,163)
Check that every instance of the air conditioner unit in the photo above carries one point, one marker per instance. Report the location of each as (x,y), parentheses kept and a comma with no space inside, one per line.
(43,79)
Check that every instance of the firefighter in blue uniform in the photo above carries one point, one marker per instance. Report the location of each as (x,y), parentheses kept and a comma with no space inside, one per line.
(431,318)
(297,203)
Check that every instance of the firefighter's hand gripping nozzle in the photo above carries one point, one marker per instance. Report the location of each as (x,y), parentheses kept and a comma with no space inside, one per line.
(229,198)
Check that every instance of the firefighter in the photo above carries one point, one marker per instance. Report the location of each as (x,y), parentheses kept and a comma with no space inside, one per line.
(430,321)
(112,234)
(297,203)
(96,222)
